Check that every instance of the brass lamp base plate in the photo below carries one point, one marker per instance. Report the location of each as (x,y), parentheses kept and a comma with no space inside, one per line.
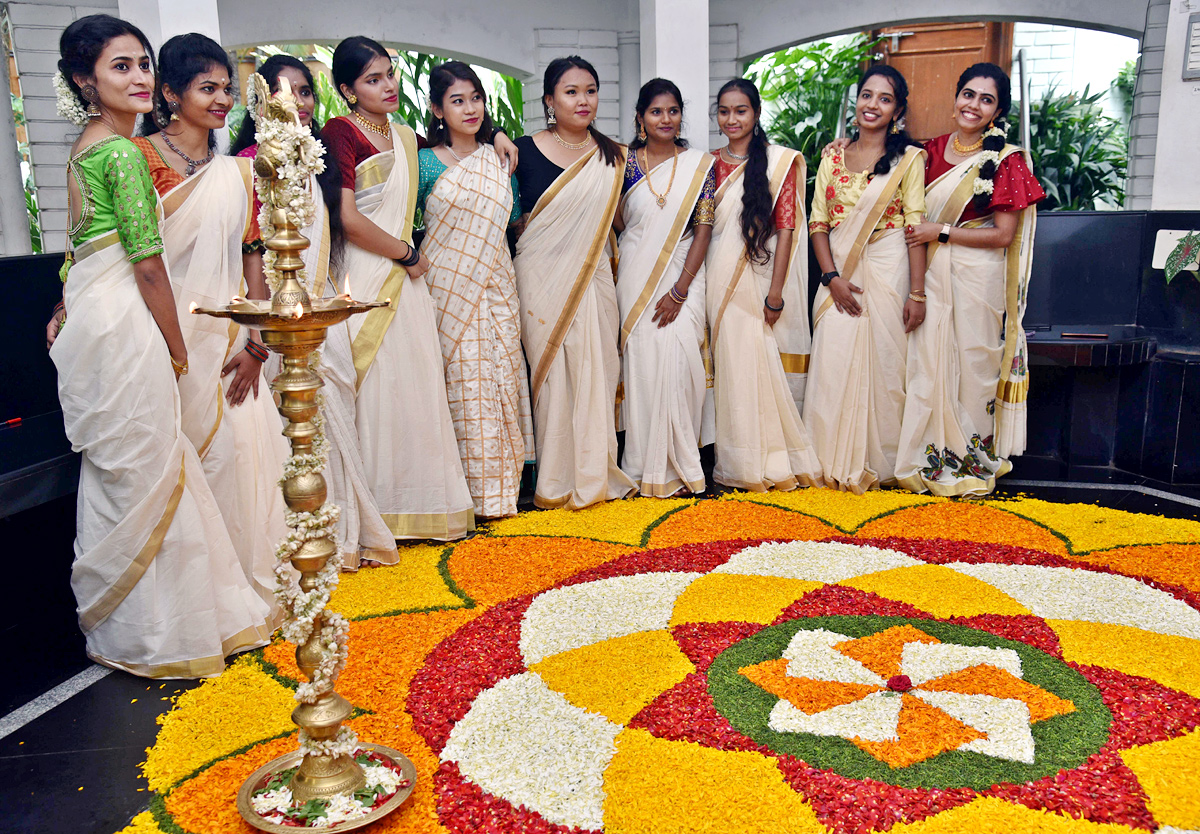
(260,776)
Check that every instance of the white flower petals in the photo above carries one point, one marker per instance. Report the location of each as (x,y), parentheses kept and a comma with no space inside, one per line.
(814,561)
(925,661)
(810,654)
(1004,721)
(1069,594)
(531,746)
(580,615)
(873,718)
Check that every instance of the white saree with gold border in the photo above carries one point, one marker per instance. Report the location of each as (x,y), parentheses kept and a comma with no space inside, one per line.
(241,447)
(569,326)
(158,583)
(473,284)
(409,449)
(760,372)
(662,368)
(963,417)
(855,399)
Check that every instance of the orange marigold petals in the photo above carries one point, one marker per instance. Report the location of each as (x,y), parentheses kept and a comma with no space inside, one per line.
(881,652)
(923,732)
(988,680)
(491,570)
(716,520)
(807,695)
(963,521)
(1175,564)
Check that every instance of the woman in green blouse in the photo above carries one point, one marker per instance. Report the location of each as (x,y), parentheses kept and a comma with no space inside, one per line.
(156,578)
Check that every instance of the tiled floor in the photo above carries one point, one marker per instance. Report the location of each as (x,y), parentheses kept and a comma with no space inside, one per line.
(74,768)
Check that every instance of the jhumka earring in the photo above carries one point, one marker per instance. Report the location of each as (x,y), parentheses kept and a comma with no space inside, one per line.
(641,132)
(92,97)
(895,128)
(550,120)
(351,99)
(173,106)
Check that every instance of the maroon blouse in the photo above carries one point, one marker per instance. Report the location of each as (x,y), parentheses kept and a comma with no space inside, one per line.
(349,146)
(1015,185)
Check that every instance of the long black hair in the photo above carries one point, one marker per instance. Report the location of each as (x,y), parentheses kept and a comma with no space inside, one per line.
(609,149)
(181,59)
(758,216)
(651,90)
(81,43)
(895,142)
(350,59)
(330,179)
(441,79)
(987,171)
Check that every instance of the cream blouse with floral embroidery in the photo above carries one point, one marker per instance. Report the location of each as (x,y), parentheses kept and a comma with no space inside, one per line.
(838,190)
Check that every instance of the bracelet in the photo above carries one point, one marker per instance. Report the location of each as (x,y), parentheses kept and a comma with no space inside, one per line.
(918,297)
(257,351)
(411,259)
(767,304)
(689,273)
(180,369)
(677,296)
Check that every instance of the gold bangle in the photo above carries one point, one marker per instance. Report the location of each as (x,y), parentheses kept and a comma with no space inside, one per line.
(919,298)
(687,272)
(180,369)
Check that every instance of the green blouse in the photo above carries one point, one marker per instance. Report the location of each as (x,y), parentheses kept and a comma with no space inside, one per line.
(429,168)
(118,195)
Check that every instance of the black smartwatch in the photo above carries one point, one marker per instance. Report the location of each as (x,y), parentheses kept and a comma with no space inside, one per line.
(944,234)
(826,277)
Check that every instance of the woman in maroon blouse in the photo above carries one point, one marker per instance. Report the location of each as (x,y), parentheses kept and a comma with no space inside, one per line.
(967,382)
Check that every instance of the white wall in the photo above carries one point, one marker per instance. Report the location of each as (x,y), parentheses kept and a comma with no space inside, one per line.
(597,46)
(1143,131)
(1070,59)
(1176,157)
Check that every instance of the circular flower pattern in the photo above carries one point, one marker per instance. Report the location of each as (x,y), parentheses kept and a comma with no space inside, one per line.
(884,663)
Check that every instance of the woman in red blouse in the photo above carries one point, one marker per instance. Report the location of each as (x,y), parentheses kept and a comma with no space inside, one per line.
(964,412)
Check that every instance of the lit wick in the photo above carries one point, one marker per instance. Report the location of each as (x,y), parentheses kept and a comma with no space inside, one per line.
(298,313)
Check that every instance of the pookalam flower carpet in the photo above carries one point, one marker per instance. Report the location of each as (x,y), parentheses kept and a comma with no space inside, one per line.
(810,661)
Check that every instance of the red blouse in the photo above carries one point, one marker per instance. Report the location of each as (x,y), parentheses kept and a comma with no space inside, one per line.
(349,146)
(1015,185)
(785,206)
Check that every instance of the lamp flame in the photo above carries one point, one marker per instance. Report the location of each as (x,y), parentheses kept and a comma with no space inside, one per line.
(193,307)
(346,287)
(298,312)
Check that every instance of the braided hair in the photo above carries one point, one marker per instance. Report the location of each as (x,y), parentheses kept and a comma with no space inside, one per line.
(758,216)
(994,139)
(651,90)
(895,143)
(609,149)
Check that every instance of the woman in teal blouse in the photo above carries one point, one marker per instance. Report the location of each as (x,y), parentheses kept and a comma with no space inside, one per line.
(156,578)
(468,202)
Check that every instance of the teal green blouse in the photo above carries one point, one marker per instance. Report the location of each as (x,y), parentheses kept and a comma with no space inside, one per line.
(430,168)
(118,194)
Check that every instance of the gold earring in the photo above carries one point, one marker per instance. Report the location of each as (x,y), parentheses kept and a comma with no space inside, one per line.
(641,132)
(895,128)
(550,120)
(92,97)
(351,99)
(173,106)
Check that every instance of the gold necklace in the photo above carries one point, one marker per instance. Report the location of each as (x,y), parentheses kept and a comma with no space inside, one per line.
(571,146)
(661,199)
(385,131)
(966,150)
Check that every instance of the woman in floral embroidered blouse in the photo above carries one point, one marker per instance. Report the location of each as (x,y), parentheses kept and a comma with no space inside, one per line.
(872,293)
(967,381)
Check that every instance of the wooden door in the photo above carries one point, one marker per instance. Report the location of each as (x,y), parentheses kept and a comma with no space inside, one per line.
(931,56)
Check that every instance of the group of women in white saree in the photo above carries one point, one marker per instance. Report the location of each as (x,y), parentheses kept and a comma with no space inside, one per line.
(690,328)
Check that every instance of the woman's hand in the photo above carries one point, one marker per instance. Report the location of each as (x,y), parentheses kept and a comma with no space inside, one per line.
(507,151)
(53,326)
(666,310)
(418,269)
(769,315)
(921,233)
(836,145)
(843,296)
(247,372)
(177,363)
(914,314)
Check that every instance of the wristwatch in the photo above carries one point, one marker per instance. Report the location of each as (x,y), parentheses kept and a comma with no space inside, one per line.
(944,234)
(826,277)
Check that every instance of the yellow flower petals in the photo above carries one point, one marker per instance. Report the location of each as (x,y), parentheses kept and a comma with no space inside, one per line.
(410,585)
(490,570)
(656,786)
(940,591)
(727,597)
(1167,772)
(143,823)
(843,510)
(1170,660)
(622,522)
(723,520)
(242,706)
(988,815)
(964,521)
(617,678)
(1089,527)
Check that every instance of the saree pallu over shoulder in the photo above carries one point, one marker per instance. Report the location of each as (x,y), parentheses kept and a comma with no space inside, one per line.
(156,577)
(856,386)
(240,446)
(663,375)
(759,372)
(409,450)
(472,282)
(569,325)
(967,370)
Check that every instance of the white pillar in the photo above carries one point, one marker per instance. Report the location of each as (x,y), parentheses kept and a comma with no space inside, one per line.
(1176,173)
(164,19)
(14,220)
(674,45)
(630,60)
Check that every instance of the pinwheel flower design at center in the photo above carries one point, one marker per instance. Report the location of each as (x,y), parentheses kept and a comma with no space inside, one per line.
(904,696)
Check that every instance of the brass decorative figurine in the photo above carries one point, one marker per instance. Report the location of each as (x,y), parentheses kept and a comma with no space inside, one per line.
(333,781)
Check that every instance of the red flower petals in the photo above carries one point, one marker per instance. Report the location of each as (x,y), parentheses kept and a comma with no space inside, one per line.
(834,600)
(1144,711)
(702,642)
(464,808)
(1021,627)
(700,558)
(686,713)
